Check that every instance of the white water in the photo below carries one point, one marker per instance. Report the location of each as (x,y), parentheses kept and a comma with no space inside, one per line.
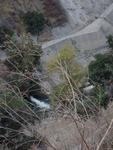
(40,103)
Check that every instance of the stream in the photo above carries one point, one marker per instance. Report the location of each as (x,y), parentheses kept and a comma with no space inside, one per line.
(44,104)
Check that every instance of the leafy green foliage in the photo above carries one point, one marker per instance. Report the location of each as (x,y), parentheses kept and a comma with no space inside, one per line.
(24,55)
(101,71)
(34,22)
(5,33)
(65,58)
(65,63)
(110,41)
(102,68)
(71,73)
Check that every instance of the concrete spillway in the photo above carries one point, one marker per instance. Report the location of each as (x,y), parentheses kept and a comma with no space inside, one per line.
(91,39)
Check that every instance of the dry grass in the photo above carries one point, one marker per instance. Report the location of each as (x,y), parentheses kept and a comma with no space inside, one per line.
(64,129)
(71,133)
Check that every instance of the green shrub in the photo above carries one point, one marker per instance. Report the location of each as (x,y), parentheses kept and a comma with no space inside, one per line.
(65,63)
(34,22)
(102,68)
(110,41)
(24,55)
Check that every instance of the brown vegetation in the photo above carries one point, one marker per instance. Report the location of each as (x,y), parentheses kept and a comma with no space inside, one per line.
(10,12)
(54,12)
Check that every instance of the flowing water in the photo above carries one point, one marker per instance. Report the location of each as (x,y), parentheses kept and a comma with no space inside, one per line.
(42,104)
